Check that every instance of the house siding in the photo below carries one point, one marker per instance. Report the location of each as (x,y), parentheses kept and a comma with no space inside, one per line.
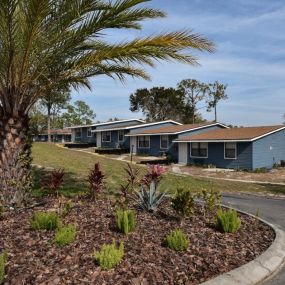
(172,150)
(269,150)
(216,156)
(84,138)
(114,141)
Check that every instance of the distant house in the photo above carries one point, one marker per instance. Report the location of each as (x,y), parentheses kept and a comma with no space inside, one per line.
(160,140)
(89,134)
(237,148)
(114,136)
(60,135)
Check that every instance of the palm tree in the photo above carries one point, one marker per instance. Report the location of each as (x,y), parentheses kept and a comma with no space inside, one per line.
(38,34)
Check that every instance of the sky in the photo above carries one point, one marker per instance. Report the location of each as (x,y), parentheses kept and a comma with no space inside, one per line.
(250,58)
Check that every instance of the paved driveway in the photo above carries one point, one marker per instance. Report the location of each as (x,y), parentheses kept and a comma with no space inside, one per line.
(272,210)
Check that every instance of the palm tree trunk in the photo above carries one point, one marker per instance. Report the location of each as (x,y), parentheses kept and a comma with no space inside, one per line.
(215,113)
(15,160)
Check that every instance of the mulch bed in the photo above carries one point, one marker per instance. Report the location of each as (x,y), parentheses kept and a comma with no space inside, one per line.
(34,259)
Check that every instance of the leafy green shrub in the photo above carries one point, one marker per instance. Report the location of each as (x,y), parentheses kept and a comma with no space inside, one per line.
(65,235)
(109,255)
(3,260)
(177,240)
(45,221)
(211,198)
(183,202)
(227,221)
(125,220)
(67,208)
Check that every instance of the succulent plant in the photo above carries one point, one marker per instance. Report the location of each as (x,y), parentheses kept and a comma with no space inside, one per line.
(148,197)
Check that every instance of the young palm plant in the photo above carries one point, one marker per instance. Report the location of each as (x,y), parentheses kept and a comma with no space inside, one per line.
(49,43)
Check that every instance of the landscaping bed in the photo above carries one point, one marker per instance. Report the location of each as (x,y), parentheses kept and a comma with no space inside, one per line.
(35,259)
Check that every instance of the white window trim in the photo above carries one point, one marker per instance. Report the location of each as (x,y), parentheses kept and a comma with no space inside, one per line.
(225,152)
(145,147)
(90,132)
(167,142)
(199,156)
(119,136)
(110,136)
(80,134)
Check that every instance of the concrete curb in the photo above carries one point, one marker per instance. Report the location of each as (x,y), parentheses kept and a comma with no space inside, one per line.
(258,269)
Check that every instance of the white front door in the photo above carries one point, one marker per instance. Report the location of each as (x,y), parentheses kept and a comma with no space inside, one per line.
(133,144)
(98,139)
(182,153)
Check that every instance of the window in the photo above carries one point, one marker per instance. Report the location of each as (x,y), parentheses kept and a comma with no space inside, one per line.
(121,136)
(143,141)
(89,133)
(230,150)
(78,133)
(106,136)
(163,141)
(199,149)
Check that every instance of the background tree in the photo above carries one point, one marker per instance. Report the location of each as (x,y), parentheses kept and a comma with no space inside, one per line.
(215,92)
(36,35)
(157,103)
(38,119)
(79,114)
(193,92)
(55,100)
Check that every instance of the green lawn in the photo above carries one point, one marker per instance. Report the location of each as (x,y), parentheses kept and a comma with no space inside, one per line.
(78,164)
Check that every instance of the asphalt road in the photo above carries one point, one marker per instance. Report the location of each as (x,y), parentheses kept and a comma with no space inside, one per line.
(271,210)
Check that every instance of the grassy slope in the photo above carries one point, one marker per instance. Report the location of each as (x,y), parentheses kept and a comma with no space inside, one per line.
(78,164)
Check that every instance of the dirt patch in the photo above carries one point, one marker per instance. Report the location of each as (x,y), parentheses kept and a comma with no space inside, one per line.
(34,259)
(274,176)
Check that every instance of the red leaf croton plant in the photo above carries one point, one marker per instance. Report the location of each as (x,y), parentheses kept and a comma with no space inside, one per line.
(46,44)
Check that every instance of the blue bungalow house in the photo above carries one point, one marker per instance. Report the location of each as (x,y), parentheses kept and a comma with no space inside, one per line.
(116,135)
(59,136)
(87,134)
(159,141)
(237,148)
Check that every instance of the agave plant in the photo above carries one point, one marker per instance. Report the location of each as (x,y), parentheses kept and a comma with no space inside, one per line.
(149,198)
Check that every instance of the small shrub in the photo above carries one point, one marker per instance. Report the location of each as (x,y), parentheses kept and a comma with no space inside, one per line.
(45,221)
(177,240)
(67,208)
(96,181)
(211,198)
(227,221)
(125,220)
(183,202)
(109,256)
(2,210)
(54,182)
(65,235)
(3,260)
(149,198)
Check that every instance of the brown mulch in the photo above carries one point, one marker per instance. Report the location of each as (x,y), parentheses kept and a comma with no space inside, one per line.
(34,259)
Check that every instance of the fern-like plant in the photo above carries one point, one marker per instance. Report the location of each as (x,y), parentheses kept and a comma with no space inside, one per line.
(109,256)
(177,240)
(227,221)
(149,198)
(45,221)
(3,260)
(125,220)
(65,235)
